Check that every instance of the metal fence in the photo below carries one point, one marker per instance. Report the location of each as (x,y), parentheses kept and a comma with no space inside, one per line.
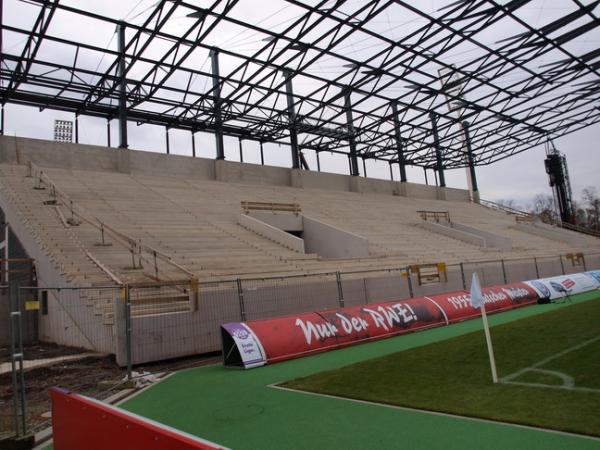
(88,335)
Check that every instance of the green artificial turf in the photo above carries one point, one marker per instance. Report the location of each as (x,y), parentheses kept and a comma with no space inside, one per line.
(454,375)
(238,409)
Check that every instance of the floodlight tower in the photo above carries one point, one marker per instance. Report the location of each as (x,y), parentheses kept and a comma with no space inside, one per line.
(558,173)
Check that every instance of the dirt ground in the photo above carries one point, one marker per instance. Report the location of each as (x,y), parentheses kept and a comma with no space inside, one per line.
(97,377)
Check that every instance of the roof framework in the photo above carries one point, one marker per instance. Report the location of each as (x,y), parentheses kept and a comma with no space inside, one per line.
(344,76)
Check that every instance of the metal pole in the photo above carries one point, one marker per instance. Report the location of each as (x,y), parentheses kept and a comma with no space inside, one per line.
(318,161)
(364,167)
(391,171)
(503,271)
(128,350)
(21,371)
(366,291)
(241,150)
(241,300)
(537,271)
(399,143)
(262,155)
(193,145)
(562,265)
(409,279)
(122,87)
(13,345)
(214,58)
(108,132)
(425,172)
(77,128)
(167,139)
(338,279)
(462,276)
(2,113)
(292,120)
(583,261)
(351,138)
(438,149)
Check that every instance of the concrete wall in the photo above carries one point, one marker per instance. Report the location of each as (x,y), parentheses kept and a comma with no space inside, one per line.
(453,233)
(331,242)
(271,232)
(283,221)
(491,239)
(320,180)
(230,171)
(90,157)
(149,163)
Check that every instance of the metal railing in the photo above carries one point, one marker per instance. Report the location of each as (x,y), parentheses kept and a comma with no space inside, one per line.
(139,251)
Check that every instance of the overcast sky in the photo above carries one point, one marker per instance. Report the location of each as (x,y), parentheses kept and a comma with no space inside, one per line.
(518,178)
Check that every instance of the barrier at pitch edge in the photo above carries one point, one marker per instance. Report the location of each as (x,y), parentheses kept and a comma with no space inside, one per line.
(80,422)
(564,285)
(255,343)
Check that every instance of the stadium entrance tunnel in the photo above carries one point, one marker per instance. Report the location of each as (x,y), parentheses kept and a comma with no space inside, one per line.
(306,234)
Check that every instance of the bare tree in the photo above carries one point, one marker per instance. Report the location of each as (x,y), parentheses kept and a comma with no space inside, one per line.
(591,203)
(543,208)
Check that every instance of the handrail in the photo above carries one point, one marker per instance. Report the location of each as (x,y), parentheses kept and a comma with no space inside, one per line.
(506,209)
(436,215)
(135,246)
(269,206)
(580,229)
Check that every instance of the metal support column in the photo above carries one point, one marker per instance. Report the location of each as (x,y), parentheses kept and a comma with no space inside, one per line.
(2,119)
(399,144)
(470,160)
(351,138)
(108,132)
(425,173)
(241,150)
(391,172)
(214,59)
(128,341)
(262,154)
(167,140)
(318,162)
(77,128)
(193,145)
(438,149)
(122,87)
(364,167)
(292,120)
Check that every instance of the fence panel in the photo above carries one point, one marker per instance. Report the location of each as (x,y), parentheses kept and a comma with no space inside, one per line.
(550,267)
(592,261)
(178,319)
(271,297)
(489,272)
(363,287)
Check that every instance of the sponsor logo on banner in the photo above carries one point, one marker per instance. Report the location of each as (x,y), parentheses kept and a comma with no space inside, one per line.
(558,287)
(249,346)
(595,274)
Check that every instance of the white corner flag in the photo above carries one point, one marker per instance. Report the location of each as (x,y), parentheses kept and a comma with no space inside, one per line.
(478,301)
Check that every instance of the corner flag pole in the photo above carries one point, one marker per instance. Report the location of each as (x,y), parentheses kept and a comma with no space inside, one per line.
(477,300)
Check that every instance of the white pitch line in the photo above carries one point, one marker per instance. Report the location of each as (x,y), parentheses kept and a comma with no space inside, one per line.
(547,360)
(435,413)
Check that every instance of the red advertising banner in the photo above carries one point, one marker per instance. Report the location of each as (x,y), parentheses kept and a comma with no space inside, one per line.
(457,305)
(299,335)
(80,422)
